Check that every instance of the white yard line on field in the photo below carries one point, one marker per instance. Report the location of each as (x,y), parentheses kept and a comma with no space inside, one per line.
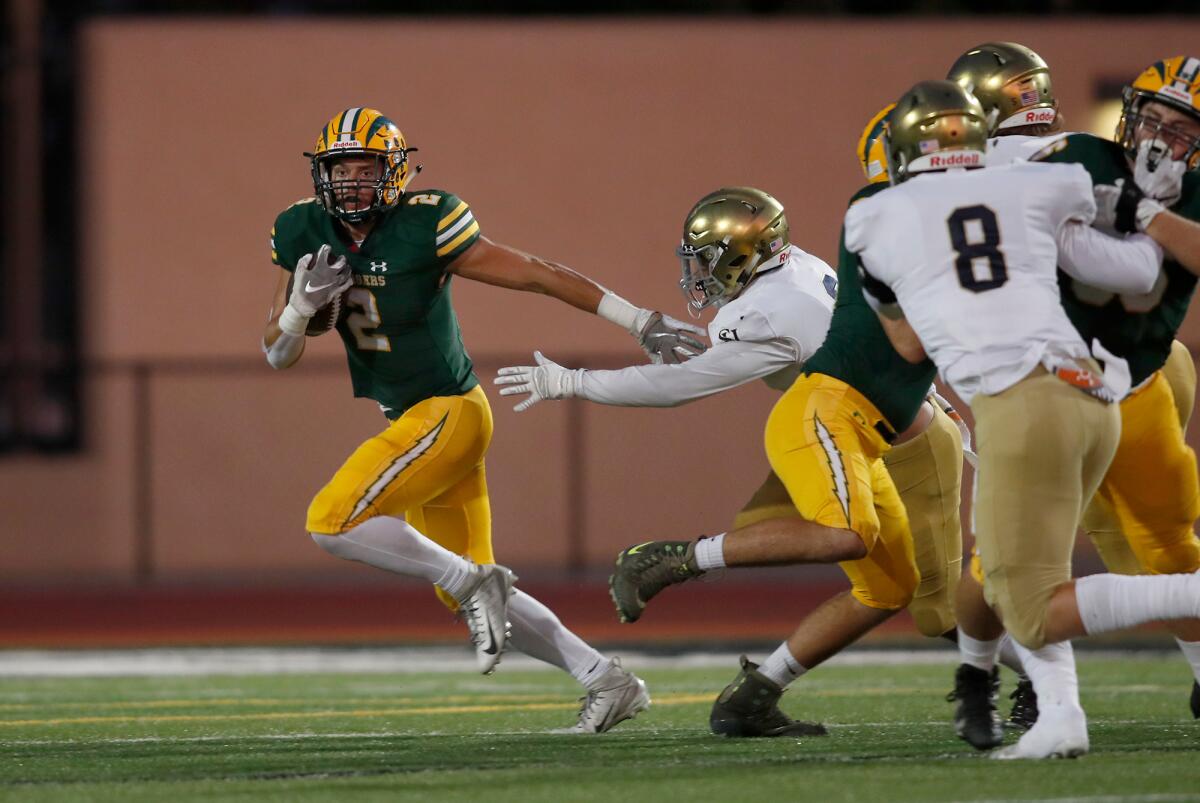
(156,662)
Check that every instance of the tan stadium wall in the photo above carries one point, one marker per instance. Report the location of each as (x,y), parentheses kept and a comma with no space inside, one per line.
(585,142)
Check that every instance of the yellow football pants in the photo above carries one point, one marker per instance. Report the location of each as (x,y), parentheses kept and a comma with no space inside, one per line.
(426,467)
(1142,518)
(927,472)
(825,441)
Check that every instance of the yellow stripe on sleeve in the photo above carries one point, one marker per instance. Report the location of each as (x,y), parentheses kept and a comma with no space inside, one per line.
(468,233)
(450,218)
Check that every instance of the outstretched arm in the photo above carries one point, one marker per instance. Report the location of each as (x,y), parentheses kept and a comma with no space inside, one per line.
(503,266)
(718,369)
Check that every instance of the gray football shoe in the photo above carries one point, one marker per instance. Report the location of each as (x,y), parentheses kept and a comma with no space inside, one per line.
(621,695)
(645,569)
(485,610)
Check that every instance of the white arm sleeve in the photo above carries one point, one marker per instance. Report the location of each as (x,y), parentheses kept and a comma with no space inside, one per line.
(284,351)
(722,367)
(1128,265)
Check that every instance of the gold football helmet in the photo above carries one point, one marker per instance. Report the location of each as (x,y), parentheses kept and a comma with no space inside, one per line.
(1011,82)
(360,132)
(936,125)
(728,237)
(870,148)
(1173,82)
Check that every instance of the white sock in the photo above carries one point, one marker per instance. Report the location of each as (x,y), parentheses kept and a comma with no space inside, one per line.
(1007,654)
(1191,651)
(1114,602)
(781,667)
(979,654)
(710,552)
(386,542)
(538,633)
(1052,670)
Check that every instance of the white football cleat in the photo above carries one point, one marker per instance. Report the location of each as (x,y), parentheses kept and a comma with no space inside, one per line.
(485,610)
(620,695)
(1060,732)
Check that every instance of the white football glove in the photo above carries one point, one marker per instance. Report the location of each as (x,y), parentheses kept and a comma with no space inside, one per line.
(319,278)
(1158,175)
(666,339)
(546,380)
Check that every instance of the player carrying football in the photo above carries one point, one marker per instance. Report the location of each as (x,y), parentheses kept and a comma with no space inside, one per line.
(413,499)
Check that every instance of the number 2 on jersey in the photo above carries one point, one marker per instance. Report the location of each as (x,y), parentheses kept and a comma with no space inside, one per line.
(968,252)
(365,316)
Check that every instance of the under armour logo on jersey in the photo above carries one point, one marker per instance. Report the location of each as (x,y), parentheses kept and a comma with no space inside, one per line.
(378,266)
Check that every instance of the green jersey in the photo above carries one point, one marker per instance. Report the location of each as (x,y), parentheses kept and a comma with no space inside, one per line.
(401,335)
(858,352)
(1139,328)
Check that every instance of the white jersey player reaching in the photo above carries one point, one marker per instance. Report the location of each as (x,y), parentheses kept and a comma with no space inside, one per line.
(960,264)
(773,310)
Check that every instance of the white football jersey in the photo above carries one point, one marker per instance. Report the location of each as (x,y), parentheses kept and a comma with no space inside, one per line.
(1017,148)
(767,333)
(792,303)
(970,257)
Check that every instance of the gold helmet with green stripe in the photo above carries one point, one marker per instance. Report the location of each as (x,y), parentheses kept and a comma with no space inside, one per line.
(1175,83)
(360,133)
(871,154)
(936,125)
(728,237)
(1011,82)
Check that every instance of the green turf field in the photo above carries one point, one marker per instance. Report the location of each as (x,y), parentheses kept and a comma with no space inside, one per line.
(462,737)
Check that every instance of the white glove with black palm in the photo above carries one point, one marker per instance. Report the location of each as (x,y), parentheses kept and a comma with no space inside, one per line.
(317,280)
(546,380)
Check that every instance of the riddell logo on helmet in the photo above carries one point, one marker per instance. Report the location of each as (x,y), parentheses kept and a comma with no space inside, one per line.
(1175,93)
(1037,116)
(347,143)
(955,159)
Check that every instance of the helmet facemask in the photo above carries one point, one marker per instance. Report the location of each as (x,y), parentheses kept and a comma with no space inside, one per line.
(701,267)
(1137,128)
(341,196)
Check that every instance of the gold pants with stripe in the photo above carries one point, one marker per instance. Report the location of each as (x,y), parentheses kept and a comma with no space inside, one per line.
(927,472)
(1142,518)
(426,467)
(822,442)
(1044,447)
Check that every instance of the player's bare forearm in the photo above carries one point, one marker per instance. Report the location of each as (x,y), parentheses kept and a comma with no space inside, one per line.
(502,266)
(903,338)
(1179,237)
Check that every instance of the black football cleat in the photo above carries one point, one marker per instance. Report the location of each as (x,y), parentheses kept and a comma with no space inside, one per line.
(1024,711)
(749,707)
(1196,699)
(975,719)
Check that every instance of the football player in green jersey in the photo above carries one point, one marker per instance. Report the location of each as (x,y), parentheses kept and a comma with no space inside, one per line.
(413,499)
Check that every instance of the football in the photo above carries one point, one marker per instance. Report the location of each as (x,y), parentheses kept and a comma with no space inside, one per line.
(326,317)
